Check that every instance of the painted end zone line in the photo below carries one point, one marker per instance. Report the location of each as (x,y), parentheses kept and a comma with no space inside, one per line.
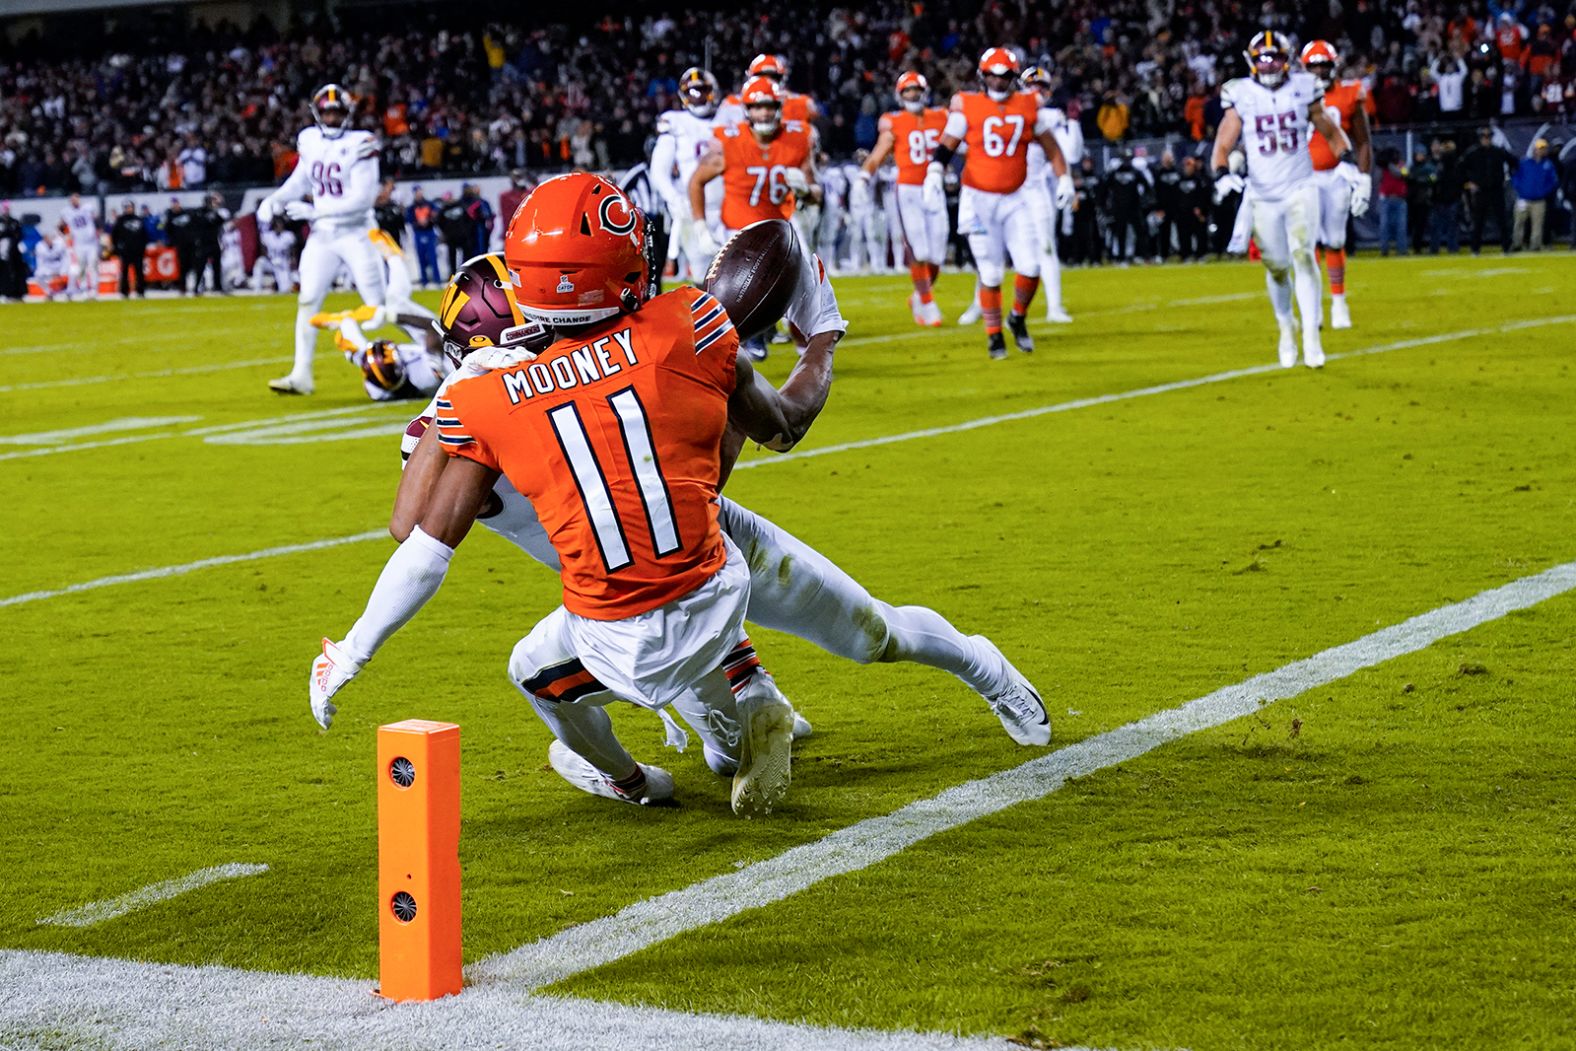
(100,911)
(189,567)
(861,845)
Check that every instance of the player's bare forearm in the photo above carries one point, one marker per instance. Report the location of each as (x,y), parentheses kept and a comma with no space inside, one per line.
(416,484)
(779,418)
(1225,138)
(733,441)
(1339,143)
(709,168)
(458,496)
(878,154)
(1362,141)
(1053,152)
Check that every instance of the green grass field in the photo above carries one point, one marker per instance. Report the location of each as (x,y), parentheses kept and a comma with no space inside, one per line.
(1386,861)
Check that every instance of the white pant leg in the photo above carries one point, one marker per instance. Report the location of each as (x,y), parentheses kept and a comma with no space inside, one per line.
(367,272)
(979,221)
(1335,206)
(1022,229)
(319,264)
(919,226)
(1301,218)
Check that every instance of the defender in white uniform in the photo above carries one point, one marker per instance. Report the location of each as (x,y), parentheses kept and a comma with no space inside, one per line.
(1270,110)
(278,244)
(1069,137)
(83,231)
(338,167)
(683,137)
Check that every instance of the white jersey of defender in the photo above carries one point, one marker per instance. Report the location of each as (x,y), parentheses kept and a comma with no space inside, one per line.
(692,137)
(277,246)
(1275,131)
(1069,137)
(340,173)
(82,222)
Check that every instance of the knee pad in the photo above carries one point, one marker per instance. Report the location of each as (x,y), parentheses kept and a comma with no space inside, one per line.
(990,273)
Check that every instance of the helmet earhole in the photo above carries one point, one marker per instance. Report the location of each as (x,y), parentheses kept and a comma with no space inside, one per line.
(585,226)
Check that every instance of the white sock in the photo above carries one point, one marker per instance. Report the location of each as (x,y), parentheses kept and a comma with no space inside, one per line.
(305,344)
(1306,277)
(1051,282)
(924,636)
(1280,296)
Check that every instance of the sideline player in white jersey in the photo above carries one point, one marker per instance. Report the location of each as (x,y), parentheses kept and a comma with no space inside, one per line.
(82,229)
(1070,138)
(683,137)
(817,602)
(52,264)
(1270,110)
(278,248)
(338,167)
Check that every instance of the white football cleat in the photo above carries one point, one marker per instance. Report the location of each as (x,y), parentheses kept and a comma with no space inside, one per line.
(801,726)
(914,308)
(1058,315)
(765,747)
(1018,704)
(331,669)
(972,315)
(930,314)
(289,385)
(1340,313)
(1288,347)
(1312,348)
(569,765)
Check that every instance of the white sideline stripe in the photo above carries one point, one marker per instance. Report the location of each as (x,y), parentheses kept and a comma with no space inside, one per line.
(83,1001)
(99,911)
(1142,392)
(868,842)
(161,572)
(190,370)
(891,439)
(125,423)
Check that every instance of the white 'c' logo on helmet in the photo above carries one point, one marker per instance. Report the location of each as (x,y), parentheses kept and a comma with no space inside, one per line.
(605,213)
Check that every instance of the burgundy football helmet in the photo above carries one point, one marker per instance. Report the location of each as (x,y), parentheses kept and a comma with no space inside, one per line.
(479,310)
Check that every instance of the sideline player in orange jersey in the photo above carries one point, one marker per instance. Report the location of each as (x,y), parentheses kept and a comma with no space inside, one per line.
(1348,104)
(614,433)
(994,211)
(796,106)
(910,135)
(767,167)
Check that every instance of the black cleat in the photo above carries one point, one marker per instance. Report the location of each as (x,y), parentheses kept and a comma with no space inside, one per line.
(997,346)
(1020,332)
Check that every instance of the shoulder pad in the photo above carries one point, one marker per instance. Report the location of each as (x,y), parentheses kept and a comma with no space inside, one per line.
(664,124)
(956,105)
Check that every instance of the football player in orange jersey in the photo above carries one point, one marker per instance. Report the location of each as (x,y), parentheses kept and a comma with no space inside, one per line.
(614,433)
(994,211)
(1348,104)
(909,135)
(795,105)
(767,166)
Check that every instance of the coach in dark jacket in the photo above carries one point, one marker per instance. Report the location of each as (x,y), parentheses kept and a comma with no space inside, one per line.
(180,230)
(13,268)
(457,229)
(129,237)
(1483,173)
(210,232)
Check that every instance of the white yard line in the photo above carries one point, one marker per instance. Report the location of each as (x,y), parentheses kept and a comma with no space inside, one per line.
(125,423)
(101,911)
(890,439)
(160,572)
(119,1003)
(71,1001)
(190,370)
(868,842)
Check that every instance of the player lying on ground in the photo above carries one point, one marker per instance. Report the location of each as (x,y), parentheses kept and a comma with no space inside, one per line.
(614,433)
(390,371)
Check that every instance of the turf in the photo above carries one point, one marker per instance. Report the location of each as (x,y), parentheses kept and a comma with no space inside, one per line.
(1392,871)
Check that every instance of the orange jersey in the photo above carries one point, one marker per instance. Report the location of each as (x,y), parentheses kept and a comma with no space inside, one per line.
(1341,103)
(914,138)
(998,137)
(754,185)
(614,436)
(799,107)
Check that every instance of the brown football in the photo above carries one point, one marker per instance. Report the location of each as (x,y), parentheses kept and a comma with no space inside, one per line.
(757,274)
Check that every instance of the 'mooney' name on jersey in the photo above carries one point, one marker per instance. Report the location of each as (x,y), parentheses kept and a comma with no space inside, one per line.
(588,363)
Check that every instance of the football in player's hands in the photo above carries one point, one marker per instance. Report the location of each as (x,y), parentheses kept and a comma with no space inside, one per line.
(757,274)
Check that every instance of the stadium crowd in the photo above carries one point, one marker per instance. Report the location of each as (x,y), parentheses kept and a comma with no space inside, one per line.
(195,105)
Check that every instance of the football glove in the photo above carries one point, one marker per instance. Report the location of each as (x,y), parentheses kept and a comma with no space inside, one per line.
(1064,191)
(796,181)
(1362,187)
(265,211)
(933,195)
(301,211)
(859,192)
(330,671)
(703,245)
(1226,185)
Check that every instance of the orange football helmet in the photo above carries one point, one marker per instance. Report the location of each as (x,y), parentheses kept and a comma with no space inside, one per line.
(762,91)
(576,252)
(909,82)
(1321,59)
(764,65)
(999,62)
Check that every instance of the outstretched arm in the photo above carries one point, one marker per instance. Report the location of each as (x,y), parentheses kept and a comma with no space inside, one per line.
(779,418)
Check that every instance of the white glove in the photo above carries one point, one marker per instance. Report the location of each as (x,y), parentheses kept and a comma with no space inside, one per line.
(679,209)
(1227,185)
(796,181)
(1361,186)
(301,211)
(933,195)
(330,671)
(859,192)
(703,245)
(265,211)
(1064,191)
